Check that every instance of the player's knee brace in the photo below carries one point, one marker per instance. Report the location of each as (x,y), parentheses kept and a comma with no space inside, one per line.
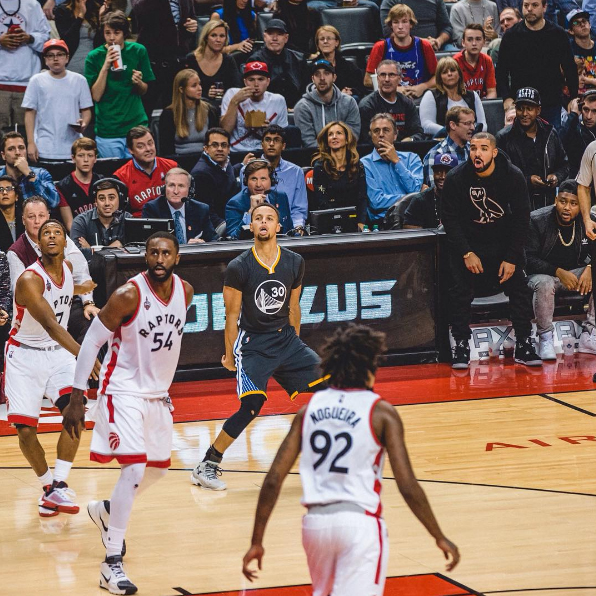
(249,409)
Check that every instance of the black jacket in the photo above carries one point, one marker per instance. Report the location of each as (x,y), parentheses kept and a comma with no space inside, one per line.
(512,139)
(196,215)
(576,137)
(489,216)
(544,228)
(214,186)
(164,39)
(287,71)
(535,59)
(404,113)
(6,240)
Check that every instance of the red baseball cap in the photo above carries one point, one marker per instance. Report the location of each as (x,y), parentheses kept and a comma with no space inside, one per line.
(255,67)
(54,43)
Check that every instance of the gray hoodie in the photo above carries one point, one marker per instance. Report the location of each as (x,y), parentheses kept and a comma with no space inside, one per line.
(311,114)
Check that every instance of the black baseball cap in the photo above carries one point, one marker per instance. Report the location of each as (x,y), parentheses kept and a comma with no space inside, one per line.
(324,64)
(276,25)
(528,95)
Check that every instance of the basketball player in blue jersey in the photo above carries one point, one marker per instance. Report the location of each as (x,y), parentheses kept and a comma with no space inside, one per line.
(343,434)
(262,299)
(143,322)
(40,360)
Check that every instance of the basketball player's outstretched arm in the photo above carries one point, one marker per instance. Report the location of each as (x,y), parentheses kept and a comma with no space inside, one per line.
(390,431)
(29,293)
(121,305)
(280,468)
(233,302)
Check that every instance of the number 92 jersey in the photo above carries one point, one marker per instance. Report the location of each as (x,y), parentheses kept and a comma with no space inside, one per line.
(342,459)
(265,290)
(144,351)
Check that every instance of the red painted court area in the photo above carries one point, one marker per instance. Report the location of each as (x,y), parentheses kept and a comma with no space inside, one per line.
(400,385)
(413,585)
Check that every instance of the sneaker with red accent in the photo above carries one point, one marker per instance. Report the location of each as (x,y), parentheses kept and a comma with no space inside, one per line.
(60,498)
(46,511)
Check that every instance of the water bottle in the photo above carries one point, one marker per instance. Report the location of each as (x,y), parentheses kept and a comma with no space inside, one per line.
(375,228)
(365,230)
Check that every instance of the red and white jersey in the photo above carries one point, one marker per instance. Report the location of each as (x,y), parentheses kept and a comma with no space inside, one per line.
(25,329)
(342,459)
(143,352)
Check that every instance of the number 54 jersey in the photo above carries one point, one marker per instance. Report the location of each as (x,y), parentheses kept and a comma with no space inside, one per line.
(144,351)
(342,459)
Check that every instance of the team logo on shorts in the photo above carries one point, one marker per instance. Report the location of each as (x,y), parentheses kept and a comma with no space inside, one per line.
(114,441)
(270,296)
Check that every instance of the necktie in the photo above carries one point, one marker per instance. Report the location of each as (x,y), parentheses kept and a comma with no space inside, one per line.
(178,228)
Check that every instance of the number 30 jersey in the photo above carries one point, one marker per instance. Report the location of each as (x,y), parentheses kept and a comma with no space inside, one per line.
(143,352)
(342,459)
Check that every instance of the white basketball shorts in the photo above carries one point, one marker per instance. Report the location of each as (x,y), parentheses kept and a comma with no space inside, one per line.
(347,553)
(132,430)
(29,375)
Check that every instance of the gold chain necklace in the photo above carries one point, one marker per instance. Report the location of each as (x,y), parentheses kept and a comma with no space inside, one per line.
(572,237)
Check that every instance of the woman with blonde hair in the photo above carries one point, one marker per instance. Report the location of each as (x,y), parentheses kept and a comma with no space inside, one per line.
(183,124)
(338,175)
(217,71)
(450,92)
(349,77)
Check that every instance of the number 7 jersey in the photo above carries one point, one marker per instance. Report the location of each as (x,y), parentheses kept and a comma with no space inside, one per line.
(143,352)
(342,459)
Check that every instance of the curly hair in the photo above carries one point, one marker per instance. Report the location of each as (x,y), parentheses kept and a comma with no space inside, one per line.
(324,152)
(350,354)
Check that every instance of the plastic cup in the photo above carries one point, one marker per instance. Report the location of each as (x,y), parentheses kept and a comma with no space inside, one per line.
(375,83)
(568,346)
(508,348)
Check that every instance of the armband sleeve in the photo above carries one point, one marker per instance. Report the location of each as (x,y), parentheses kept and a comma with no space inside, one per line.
(97,335)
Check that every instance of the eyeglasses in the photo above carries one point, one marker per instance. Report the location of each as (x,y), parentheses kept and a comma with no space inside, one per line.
(6,189)
(219,145)
(58,55)
(578,22)
(327,38)
(469,124)
(387,75)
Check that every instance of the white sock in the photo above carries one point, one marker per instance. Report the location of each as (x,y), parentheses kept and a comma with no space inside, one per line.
(121,502)
(47,478)
(61,470)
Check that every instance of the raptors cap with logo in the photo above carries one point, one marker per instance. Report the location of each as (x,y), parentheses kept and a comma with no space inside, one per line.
(528,95)
(255,68)
(445,160)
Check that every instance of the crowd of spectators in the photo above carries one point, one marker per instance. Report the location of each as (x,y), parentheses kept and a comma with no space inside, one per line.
(82,80)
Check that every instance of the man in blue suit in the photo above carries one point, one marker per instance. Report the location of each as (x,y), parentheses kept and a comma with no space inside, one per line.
(258,182)
(191,218)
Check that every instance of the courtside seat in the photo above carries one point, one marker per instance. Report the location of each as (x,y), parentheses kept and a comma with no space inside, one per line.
(263,19)
(494,113)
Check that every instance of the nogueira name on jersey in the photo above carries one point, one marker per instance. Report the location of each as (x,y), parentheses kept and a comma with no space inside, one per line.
(344,414)
(163,320)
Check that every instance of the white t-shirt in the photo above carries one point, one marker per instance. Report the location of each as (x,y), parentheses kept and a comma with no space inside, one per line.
(58,103)
(587,168)
(276,112)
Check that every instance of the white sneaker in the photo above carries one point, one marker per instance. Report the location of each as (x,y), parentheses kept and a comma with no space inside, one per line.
(587,343)
(59,498)
(99,512)
(206,475)
(113,578)
(46,511)
(546,347)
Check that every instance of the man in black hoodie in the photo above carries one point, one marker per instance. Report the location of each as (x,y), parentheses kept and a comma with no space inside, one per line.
(534,146)
(579,129)
(558,254)
(486,216)
(533,53)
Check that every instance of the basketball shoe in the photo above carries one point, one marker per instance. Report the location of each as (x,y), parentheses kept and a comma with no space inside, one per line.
(45,511)
(113,578)
(206,475)
(99,512)
(58,498)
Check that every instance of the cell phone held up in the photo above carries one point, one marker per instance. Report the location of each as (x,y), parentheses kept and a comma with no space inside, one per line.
(14,29)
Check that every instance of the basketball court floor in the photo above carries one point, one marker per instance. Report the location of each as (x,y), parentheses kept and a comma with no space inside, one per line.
(506,455)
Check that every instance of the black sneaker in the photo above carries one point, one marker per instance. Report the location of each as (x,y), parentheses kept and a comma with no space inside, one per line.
(526,354)
(461,354)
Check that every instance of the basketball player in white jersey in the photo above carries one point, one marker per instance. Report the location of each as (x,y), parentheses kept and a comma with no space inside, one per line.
(143,322)
(343,433)
(40,360)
